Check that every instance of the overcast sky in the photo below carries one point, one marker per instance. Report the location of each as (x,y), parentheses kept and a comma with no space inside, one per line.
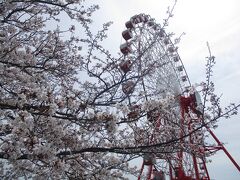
(215,21)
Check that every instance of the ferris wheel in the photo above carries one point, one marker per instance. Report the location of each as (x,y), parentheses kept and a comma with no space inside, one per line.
(147,48)
(150,55)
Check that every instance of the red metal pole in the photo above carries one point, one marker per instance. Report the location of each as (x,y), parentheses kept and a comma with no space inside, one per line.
(224,149)
(196,167)
(150,172)
(205,168)
(139,177)
(193,156)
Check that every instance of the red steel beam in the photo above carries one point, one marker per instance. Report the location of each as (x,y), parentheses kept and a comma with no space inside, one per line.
(223,148)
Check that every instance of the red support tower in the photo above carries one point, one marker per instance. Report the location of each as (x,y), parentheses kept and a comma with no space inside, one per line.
(189,165)
(195,168)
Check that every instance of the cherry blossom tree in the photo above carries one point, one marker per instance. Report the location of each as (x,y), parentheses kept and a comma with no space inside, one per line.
(67,107)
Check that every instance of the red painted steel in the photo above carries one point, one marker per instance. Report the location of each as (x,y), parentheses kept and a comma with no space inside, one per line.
(223,148)
(188,106)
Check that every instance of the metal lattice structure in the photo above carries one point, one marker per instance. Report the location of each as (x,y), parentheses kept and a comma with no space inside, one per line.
(149,46)
(149,53)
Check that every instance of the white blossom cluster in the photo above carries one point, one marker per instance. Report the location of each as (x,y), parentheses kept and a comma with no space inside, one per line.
(45,109)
